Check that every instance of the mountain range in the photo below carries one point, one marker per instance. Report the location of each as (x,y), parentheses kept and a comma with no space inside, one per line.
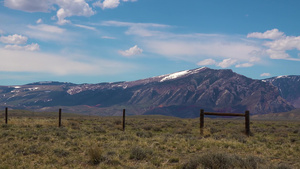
(180,94)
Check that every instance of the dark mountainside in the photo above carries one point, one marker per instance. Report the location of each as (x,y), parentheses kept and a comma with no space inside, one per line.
(289,88)
(180,94)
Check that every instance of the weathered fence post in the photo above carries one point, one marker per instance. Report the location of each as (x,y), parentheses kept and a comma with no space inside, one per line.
(201,121)
(247,122)
(59,118)
(6,115)
(123,119)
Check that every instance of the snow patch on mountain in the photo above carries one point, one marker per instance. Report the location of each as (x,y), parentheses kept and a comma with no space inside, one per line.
(180,74)
(284,76)
(174,75)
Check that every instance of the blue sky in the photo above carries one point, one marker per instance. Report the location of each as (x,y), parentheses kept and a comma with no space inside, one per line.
(93,41)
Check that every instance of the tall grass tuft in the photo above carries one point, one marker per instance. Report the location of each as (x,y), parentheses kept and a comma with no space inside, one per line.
(222,161)
(138,153)
(95,155)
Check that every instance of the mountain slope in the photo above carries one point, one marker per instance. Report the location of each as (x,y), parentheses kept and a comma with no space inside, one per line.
(217,90)
(179,94)
(289,87)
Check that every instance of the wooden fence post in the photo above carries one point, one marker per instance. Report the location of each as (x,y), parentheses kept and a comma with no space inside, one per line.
(247,122)
(6,115)
(246,115)
(123,119)
(59,118)
(201,121)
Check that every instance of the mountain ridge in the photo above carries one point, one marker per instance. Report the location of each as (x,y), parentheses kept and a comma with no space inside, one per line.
(179,94)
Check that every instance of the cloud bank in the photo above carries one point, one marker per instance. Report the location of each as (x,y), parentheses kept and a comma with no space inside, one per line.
(211,49)
(38,62)
(67,8)
(278,44)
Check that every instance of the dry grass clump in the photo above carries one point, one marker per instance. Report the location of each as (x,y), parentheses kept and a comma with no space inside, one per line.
(95,155)
(144,134)
(223,161)
(139,153)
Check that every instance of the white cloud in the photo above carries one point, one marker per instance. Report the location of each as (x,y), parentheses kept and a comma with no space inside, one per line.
(227,63)
(30,5)
(279,45)
(108,37)
(270,34)
(61,15)
(67,8)
(37,62)
(206,62)
(265,74)
(255,58)
(85,27)
(191,49)
(39,21)
(138,29)
(14,39)
(245,65)
(278,49)
(130,24)
(110,4)
(224,64)
(285,43)
(135,50)
(47,28)
(31,47)
(73,8)
(46,32)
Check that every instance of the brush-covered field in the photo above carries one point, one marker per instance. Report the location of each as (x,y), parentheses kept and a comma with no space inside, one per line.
(34,140)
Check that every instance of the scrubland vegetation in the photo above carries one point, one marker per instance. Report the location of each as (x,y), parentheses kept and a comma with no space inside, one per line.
(30,140)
